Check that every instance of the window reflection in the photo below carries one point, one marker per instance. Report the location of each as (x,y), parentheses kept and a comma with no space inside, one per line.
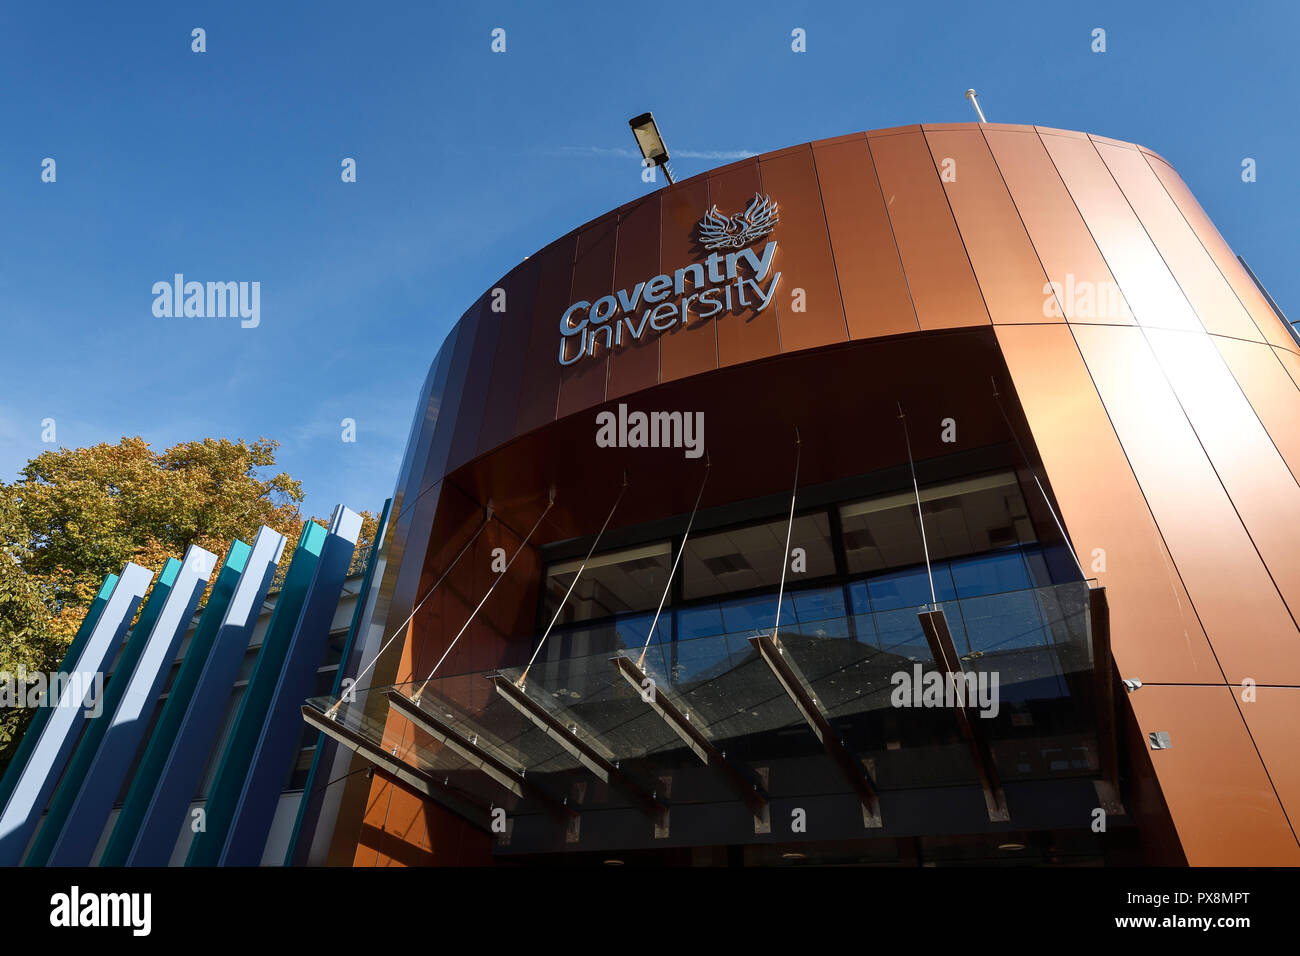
(631,580)
(981,539)
(965,517)
(743,559)
(849,622)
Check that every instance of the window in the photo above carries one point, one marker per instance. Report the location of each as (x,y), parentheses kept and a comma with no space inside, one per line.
(971,516)
(631,580)
(981,542)
(749,558)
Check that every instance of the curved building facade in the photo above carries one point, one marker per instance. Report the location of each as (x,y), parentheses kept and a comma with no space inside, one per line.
(985,400)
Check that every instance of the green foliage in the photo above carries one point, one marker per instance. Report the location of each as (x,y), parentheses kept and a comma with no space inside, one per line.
(27,641)
(88,511)
(76,515)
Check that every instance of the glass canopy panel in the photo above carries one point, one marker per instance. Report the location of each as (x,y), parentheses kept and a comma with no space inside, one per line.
(727,690)
(589,693)
(1031,648)
(852,678)
(1035,642)
(396,736)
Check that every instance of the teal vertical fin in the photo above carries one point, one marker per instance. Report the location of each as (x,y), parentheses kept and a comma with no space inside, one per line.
(242,740)
(305,822)
(178,698)
(33,732)
(66,794)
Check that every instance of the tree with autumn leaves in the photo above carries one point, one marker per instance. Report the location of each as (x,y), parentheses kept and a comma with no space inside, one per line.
(76,515)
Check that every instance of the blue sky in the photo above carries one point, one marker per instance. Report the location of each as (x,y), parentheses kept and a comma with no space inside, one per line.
(225,166)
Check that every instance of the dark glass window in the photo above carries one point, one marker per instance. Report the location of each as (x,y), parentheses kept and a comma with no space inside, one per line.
(334,649)
(616,583)
(981,543)
(751,614)
(703,621)
(606,637)
(817,604)
(963,517)
(910,588)
(749,558)
(991,573)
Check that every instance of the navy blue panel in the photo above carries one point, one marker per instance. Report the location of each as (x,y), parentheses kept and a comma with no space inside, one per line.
(198,732)
(283,731)
(58,737)
(127,725)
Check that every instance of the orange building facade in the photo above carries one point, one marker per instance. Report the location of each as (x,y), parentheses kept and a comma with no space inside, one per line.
(1039,302)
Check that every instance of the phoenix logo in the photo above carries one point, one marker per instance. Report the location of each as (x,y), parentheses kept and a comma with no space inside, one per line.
(732,232)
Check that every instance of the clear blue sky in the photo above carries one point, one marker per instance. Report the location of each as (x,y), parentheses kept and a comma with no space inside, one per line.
(225,166)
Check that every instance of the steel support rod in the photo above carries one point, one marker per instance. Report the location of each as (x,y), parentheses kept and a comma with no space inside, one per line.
(523,678)
(587,755)
(673,570)
(920,516)
(788,676)
(749,791)
(412,779)
(939,637)
(475,754)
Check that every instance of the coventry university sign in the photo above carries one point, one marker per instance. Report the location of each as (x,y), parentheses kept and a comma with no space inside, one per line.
(723,282)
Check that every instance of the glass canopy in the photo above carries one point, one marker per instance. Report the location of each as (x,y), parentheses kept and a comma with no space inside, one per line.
(575,732)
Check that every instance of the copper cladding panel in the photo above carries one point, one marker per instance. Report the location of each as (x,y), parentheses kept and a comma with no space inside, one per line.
(1270,391)
(1272,717)
(636,365)
(453,410)
(511,357)
(803,255)
(943,287)
(872,285)
(1154,630)
(1218,792)
(690,349)
(1151,292)
(1263,491)
(1245,620)
(1065,246)
(1266,319)
(1211,297)
(1166,449)
(1291,362)
(1010,277)
(486,640)
(540,386)
(474,399)
(583,383)
(743,334)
